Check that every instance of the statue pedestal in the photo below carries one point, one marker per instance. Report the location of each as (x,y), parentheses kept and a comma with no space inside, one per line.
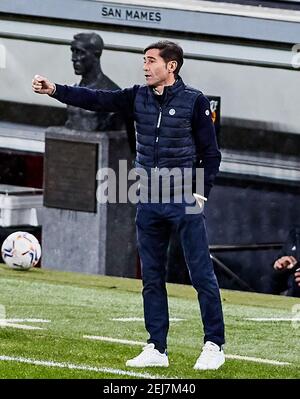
(79,233)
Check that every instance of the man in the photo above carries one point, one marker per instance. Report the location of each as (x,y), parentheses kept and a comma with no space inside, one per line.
(285,274)
(174,129)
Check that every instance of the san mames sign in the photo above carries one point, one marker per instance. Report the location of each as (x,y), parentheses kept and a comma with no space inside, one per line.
(131,14)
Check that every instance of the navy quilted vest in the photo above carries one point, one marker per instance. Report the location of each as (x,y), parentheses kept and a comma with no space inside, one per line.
(164,132)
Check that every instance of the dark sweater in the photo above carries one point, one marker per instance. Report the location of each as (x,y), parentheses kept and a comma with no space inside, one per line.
(123,101)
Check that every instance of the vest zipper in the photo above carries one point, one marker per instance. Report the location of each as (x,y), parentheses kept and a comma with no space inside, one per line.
(159,118)
(157,139)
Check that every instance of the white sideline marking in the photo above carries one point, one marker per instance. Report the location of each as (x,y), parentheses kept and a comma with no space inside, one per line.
(19,326)
(128,319)
(273,319)
(141,319)
(119,341)
(24,320)
(77,367)
(257,360)
(236,357)
(4,322)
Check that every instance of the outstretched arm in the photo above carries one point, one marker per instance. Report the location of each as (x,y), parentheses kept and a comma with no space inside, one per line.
(93,100)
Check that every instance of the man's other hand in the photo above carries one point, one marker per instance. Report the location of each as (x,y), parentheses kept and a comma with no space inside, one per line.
(297,277)
(285,262)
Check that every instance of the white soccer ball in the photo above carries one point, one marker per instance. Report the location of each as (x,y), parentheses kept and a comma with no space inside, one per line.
(21,250)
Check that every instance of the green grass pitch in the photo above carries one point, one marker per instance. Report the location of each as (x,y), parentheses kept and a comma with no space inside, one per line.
(77,305)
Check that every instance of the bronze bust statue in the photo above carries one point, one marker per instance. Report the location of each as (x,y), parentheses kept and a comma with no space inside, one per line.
(86,51)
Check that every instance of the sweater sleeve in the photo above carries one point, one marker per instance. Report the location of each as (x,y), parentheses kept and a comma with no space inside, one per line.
(290,246)
(206,142)
(97,100)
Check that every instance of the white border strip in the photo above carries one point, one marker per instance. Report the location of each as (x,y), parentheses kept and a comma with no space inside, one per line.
(109,339)
(281,57)
(71,366)
(273,319)
(257,360)
(24,321)
(22,144)
(125,319)
(2,56)
(19,326)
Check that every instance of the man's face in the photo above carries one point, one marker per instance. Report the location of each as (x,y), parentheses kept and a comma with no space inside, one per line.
(82,58)
(155,69)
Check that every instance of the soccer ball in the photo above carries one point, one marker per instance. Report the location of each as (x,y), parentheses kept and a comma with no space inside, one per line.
(21,250)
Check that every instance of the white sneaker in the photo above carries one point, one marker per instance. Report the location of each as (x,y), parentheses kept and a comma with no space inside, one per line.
(149,357)
(211,357)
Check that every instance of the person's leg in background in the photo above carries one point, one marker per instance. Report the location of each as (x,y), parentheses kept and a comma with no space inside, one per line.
(293,287)
(275,282)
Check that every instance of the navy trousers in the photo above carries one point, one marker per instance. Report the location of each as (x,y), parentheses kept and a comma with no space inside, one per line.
(154,223)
